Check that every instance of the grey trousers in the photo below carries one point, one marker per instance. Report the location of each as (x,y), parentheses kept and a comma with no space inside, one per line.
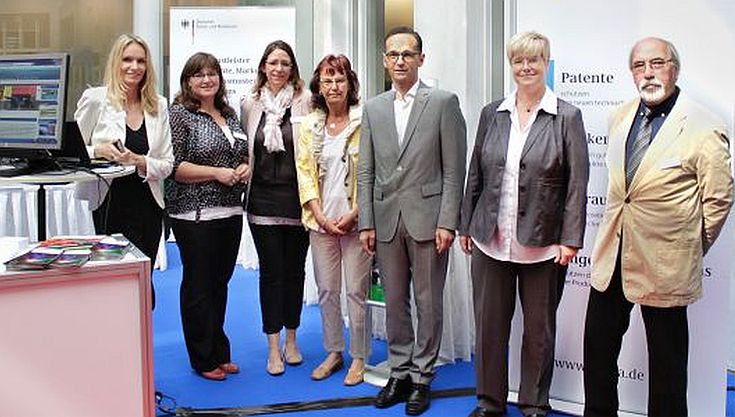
(540,286)
(332,255)
(402,262)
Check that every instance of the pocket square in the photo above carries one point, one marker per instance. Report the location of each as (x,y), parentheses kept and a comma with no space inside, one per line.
(670,163)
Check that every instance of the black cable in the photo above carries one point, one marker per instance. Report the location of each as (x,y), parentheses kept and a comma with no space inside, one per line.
(165,404)
(295,406)
(74,168)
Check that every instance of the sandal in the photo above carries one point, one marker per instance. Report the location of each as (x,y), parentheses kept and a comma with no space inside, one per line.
(325,369)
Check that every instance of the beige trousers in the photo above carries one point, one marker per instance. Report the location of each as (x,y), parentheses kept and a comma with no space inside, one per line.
(335,256)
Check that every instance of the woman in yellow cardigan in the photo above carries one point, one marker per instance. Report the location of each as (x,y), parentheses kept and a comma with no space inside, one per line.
(326,168)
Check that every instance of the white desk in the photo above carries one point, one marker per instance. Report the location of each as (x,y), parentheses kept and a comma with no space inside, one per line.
(42,180)
(77,342)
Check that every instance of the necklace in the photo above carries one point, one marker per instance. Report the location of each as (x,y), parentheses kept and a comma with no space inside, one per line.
(529,107)
(334,123)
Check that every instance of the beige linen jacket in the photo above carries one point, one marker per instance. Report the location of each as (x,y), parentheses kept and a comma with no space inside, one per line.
(673,211)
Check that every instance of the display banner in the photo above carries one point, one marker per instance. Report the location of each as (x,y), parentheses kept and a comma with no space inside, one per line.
(237,36)
(590,46)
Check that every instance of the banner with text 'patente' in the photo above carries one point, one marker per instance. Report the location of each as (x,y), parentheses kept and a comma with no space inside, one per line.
(590,45)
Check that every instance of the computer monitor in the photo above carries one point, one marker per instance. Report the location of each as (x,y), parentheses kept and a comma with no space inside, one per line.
(32,104)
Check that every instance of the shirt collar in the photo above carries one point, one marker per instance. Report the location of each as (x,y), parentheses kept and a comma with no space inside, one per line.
(663,108)
(548,102)
(410,93)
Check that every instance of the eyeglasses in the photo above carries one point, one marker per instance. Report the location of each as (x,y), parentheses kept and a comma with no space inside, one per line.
(328,83)
(406,55)
(655,64)
(202,75)
(531,61)
(275,63)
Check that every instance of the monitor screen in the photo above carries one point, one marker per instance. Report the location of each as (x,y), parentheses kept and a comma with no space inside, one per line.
(32,101)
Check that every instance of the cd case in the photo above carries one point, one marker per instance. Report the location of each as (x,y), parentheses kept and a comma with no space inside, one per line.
(69,252)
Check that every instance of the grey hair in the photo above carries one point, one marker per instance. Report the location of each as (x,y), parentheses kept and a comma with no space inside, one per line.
(670,49)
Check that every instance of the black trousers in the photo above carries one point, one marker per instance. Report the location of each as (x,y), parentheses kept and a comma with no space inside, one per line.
(282,258)
(494,285)
(130,209)
(667,337)
(208,254)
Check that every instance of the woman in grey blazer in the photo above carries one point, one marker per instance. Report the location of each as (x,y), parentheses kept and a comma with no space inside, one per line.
(523,219)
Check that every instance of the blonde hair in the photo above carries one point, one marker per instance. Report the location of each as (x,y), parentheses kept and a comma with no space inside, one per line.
(529,44)
(116,88)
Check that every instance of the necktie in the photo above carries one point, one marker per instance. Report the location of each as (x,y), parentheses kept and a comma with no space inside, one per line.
(640,145)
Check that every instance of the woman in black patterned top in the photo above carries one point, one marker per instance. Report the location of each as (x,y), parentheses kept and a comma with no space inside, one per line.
(205,206)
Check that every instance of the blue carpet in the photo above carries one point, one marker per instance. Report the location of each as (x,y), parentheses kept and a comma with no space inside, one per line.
(253,386)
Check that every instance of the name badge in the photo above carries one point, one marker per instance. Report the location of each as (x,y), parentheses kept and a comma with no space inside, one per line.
(670,163)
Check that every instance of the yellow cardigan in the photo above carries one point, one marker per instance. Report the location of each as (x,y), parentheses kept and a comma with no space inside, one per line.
(307,169)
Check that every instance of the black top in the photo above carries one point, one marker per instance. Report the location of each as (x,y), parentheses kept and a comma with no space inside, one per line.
(137,140)
(130,198)
(274,190)
(197,138)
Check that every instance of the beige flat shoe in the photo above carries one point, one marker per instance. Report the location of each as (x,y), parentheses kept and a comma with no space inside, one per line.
(294,358)
(275,368)
(354,376)
(324,370)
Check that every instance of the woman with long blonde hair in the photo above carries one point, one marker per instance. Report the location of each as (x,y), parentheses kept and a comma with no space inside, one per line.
(125,121)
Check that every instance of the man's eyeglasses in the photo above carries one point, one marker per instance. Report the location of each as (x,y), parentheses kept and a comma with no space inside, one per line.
(406,55)
(655,64)
(202,75)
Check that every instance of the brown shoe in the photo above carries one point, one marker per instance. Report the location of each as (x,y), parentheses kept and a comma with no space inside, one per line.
(355,376)
(325,369)
(230,368)
(215,374)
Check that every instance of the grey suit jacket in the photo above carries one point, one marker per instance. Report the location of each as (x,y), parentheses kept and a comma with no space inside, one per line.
(552,184)
(420,181)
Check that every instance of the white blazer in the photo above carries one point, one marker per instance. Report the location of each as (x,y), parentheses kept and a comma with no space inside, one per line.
(101,122)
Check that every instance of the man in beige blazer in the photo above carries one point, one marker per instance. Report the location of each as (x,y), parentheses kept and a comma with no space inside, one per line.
(669,192)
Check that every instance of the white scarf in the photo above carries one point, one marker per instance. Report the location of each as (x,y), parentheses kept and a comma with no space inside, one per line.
(275,108)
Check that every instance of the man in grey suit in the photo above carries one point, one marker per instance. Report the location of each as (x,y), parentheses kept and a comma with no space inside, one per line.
(410,177)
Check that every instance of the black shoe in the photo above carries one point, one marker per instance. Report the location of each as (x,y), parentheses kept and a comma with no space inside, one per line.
(484,412)
(419,400)
(537,415)
(394,392)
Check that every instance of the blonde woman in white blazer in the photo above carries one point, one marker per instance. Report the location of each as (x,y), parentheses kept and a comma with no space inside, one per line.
(126,121)
(271,117)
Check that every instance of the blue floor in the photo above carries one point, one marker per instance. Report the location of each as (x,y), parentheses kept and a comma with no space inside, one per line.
(253,386)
